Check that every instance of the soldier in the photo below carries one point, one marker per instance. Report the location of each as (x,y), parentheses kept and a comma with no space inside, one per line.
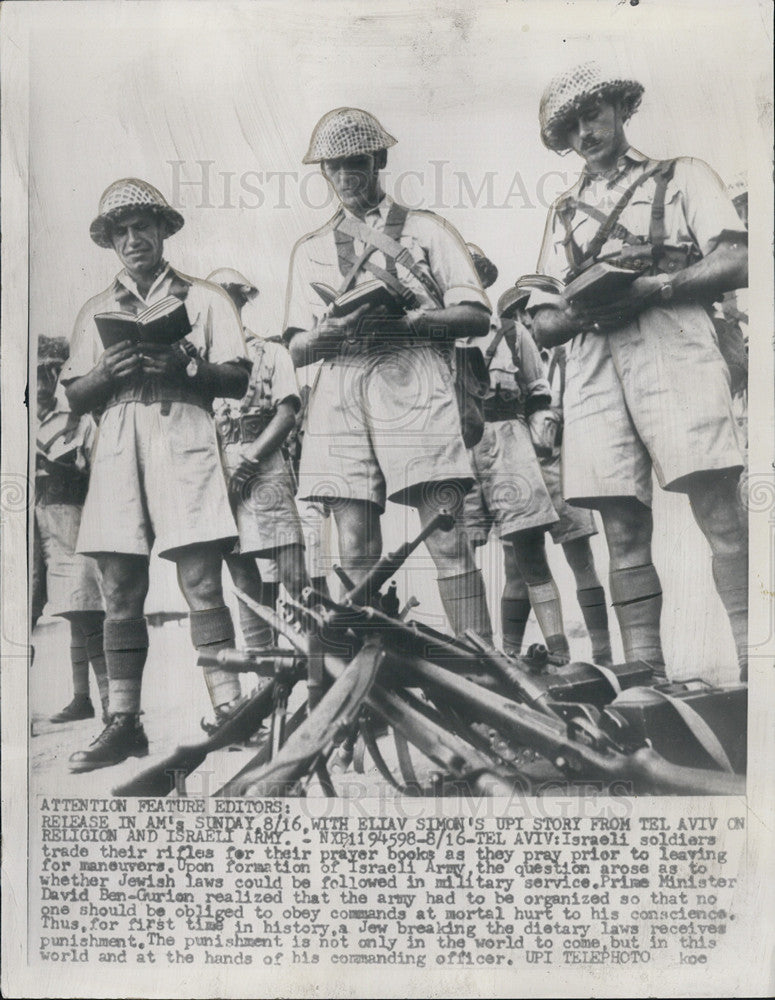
(383,420)
(646,387)
(576,525)
(156,475)
(509,493)
(252,432)
(63,443)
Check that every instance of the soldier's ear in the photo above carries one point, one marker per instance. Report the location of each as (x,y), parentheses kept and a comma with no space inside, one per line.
(380,159)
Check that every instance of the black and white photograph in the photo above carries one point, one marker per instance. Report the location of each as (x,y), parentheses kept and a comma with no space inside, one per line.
(387,498)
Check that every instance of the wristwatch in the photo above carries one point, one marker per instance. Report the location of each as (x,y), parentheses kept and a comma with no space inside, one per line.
(666,291)
(193,357)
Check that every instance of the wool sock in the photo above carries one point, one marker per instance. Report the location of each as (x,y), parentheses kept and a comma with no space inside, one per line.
(545,601)
(126,650)
(637,598)
(515,612)
(593,608)
(211,631)
(730,574)
(79,661)
(465,603)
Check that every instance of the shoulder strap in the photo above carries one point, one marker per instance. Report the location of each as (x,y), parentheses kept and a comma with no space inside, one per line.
(558,363)
(489,354)
(391,249)
(605,229)
(618,231)
(573,252)
(657,231)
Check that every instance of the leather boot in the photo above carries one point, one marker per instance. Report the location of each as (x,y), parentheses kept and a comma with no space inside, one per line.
(123,737)
(79,708)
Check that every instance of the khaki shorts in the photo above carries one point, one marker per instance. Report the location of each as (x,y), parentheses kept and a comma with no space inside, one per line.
(509,492)
(72,580)
(383,427)
(575,522)
(266,518)
(654,394)
(156,479)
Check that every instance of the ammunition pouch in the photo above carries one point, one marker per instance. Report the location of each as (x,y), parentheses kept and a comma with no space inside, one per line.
(245,429)
(502,404)
(56,488)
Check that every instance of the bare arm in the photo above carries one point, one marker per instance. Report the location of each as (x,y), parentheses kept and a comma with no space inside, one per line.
(465,319)
(229,379)
(116,365)
(275,432)
(724,268)
(438,325)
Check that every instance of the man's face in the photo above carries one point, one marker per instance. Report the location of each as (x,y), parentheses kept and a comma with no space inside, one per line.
(597,133)
(47,383)
(138,239)
(524,317)
(355,180)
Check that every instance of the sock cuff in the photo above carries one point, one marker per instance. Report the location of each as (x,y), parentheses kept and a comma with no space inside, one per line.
(95,644)
(590,597)
(462,587)
(211,626)
(634,583)
(540,592)
(516,603)
(125,634)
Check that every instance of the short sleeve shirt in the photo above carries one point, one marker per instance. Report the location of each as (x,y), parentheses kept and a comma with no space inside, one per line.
(272,380)
(435,245)
(698,212)
(216,330)
(60,439)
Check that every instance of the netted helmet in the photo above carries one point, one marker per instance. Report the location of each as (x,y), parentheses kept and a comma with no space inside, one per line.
(227,277)
(52,351)
(518,295)
(487,271)
(126,196)
(573,88)
(346,132)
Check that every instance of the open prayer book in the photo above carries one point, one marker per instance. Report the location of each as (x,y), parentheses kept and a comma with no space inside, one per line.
(373,293)
(165,322)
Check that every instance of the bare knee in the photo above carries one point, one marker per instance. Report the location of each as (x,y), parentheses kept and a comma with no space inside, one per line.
(124,584)
(714,503)
(244,574)
(199,576)
(628,527)
(360,536)
(530,556)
